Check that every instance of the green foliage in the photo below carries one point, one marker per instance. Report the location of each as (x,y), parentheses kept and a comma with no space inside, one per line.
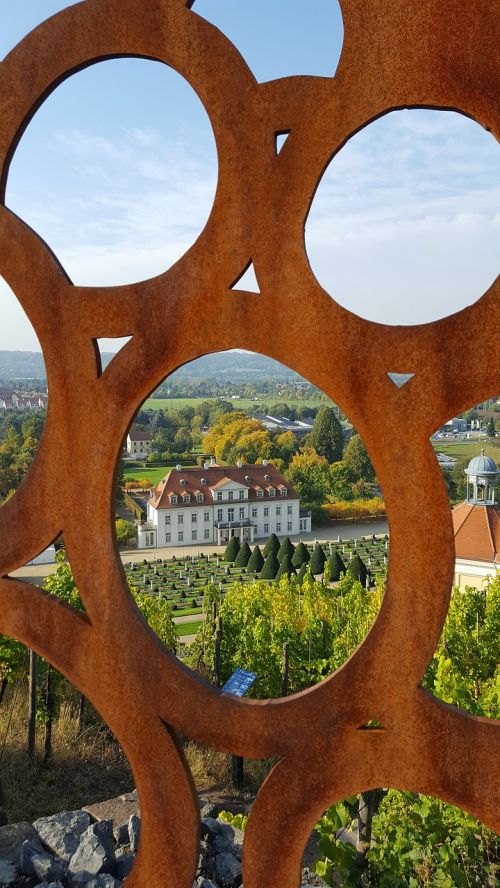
(309,474)
(357,461)
(490,428)
(286,568)
(357,569)
(238,821)
(326,436)
(336,566)
(301,555)
(232,549)
(286,548)
(318,559)
(256,561)
(243,556)
(304,568)
(270,568)
(421,840)
(272,545)
(124,530)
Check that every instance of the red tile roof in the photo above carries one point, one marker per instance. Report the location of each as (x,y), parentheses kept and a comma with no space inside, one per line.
(216,477)
(477,532)
(139,435)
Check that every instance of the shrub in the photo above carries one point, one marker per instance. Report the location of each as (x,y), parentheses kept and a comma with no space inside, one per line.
(301,555)
(302,572)
(256,561)
(232,549)
(286,568)
(318,559)
(243,555)
(271,567)
(335,566)
(357,569)
(272,545)
(357,508)
(286,548)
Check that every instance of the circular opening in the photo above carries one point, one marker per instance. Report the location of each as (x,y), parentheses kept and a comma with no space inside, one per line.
(117,171)
(405,224)
(280,39)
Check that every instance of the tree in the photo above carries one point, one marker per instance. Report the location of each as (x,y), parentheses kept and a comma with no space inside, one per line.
(235,436)
(286,568)
(326,436)
(309,474)
(357,569)
(340,481)
(301,555)
(271,567)
(286,548)
(232,549)
(272,545)
(336,566)
(124,530)
(357,461)
(243,556)
(490,428)
(318,559)
(302,572)
(256,561)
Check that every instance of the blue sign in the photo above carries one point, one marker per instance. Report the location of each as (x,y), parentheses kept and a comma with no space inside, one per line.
(240,682)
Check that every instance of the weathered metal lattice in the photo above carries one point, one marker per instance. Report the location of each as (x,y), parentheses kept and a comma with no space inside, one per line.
(396,54)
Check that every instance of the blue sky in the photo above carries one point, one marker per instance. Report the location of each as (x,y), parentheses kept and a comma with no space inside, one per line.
(118,169)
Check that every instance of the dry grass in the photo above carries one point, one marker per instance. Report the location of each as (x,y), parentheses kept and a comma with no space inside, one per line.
(85,767)
(211,769)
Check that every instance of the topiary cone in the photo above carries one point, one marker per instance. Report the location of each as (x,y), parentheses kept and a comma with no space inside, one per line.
(286,548)
(286,568)
(256,561)
(336,566)
(232,549)
(318,559)
(271,567)
(272,545)
(301,555)
(243,556)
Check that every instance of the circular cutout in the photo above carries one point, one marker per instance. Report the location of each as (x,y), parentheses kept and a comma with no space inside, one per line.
(119,188)
(404,227)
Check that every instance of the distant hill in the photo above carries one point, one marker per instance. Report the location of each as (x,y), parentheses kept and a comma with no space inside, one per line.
(26,365)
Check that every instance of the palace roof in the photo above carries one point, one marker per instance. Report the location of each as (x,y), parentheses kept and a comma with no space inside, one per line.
(477,532)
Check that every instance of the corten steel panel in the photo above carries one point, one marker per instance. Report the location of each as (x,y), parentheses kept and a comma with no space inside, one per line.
(396,54)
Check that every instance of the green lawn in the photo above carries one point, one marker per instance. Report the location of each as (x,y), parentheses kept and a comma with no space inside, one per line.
(188,628)
(468,449)
(240,404)
(187,611)
(154,474)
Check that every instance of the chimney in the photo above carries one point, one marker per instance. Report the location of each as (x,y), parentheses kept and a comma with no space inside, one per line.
(178,467)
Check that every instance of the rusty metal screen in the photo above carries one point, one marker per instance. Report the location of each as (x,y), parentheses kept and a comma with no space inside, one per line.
(416,53)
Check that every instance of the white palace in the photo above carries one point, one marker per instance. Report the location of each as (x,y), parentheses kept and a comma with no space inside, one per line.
(214,503)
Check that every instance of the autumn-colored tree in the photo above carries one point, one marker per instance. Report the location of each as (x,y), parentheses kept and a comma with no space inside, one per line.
(236,436)
(309,474)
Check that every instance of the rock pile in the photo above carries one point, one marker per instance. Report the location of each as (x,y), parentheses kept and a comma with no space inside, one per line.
(77,849)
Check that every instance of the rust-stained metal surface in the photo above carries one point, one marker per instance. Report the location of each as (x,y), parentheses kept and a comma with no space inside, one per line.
(397,53)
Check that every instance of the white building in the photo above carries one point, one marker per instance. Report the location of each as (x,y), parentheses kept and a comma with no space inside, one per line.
(211,504)
(138,442)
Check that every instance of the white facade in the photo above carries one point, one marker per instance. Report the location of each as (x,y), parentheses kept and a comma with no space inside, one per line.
(214,512)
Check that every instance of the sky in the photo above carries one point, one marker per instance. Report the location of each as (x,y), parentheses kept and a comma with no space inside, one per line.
(117,172)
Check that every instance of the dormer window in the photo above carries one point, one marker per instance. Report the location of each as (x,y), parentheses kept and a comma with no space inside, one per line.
(203,480)
(260,492)
(199,497)
(186,498)
(173,497)
(283,491)
(267,477)
(272,491)
(219,496)
(247,479)
(182,482)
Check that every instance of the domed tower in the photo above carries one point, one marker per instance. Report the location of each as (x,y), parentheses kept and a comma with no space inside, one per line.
(482,478)
(476,523)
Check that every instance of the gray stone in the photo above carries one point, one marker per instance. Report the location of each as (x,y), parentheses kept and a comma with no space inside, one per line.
(12,837)
(49,868)
(205,883)
(103,830)
(50,885)
(206,861)
(228,870)
(61,832)
(124,863)
(208,809)
(105,880)
(210,827)
(92,857)
(121,834)
(118,810)
(134,832)
(8,872)
(29,848)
